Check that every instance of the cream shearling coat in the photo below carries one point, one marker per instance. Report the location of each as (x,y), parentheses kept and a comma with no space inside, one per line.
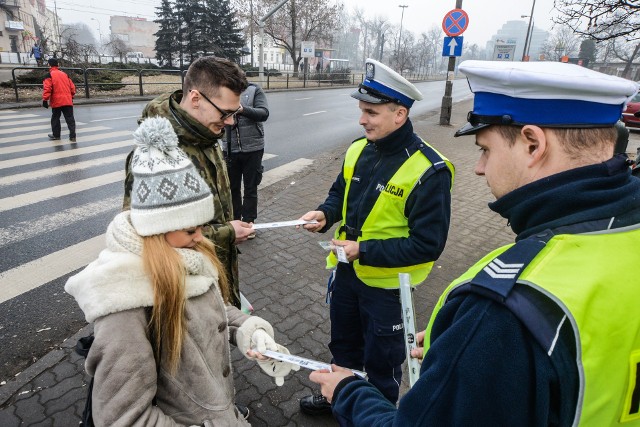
(113,291)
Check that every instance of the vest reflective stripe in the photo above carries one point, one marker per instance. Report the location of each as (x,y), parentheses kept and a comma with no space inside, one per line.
(574,271)
(386,219)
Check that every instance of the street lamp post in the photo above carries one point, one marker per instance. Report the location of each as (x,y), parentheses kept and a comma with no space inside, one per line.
(403,6)
(527,41)
(99,29)
(529,29)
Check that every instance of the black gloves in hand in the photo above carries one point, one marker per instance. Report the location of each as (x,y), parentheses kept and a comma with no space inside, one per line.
(45,104)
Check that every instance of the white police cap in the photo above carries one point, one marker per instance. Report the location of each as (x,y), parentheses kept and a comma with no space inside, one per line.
(382,84)
(549,94)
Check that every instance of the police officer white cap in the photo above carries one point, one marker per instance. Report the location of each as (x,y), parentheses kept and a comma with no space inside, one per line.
(382,85)
(548,94)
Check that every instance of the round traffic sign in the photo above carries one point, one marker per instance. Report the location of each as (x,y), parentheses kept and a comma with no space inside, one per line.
(455,22)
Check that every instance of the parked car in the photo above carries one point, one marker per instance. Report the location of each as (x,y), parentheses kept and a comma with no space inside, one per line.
(628,114)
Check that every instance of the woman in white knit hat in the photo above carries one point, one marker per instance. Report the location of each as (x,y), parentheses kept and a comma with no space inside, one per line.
(159,300)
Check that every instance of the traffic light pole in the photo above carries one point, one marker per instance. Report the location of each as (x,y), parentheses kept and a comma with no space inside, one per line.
(447,100)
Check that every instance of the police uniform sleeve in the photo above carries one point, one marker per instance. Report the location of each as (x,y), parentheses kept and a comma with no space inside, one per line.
(428,212)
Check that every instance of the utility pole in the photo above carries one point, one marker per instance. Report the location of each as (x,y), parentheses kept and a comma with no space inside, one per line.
(261,25)
(526,38)
(251,17)
(55,9)
(447,100)
(403,6)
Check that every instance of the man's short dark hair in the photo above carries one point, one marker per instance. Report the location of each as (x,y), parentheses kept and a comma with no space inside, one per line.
(53,62)
(209,73)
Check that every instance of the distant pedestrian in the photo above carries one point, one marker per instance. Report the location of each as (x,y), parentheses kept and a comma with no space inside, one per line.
(301,67)
(36,52)
(245,147)
(318,67)
(58,93)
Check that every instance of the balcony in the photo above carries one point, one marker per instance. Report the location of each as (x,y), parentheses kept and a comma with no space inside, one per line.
(14,25)
(10,3)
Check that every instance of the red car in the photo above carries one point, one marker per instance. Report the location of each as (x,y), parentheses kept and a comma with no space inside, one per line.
(627,115)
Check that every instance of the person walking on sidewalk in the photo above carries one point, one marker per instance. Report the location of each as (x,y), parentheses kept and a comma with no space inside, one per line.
(159,298)
(245,148)
(58,94)
(36,52)
(392,201)
(198,114)
(544,331)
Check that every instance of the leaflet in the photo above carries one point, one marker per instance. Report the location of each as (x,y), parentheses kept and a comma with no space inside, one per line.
(282,224)
(314,365)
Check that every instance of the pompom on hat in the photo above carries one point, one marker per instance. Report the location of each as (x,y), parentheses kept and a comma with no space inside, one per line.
(168,192)
(547,94)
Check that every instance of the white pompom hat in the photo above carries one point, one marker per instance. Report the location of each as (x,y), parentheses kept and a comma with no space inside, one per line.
(168,192)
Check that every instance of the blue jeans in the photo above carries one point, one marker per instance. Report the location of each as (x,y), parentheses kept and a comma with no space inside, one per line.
(366,331)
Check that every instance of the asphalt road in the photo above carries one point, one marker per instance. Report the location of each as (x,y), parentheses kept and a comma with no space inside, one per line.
(56,199)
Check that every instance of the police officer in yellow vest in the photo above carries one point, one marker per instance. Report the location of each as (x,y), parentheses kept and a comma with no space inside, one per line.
(392,205)
(545,331)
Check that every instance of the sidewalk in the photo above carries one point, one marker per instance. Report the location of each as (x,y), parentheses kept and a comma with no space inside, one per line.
(282,275)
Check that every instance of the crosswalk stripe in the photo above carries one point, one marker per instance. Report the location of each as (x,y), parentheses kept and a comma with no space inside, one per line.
(3,112)
(32,128)
(30,176)
(38,145)
(25,122)
(44,136)
(63,154)
(33,274)
(281,172)
(32,197)
(267,156)
(24,230)
(16,116)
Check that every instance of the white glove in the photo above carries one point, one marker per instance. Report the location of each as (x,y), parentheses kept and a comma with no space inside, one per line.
(277,368)
(261,341)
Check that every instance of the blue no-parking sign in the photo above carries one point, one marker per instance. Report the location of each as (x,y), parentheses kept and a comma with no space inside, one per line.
(455,22)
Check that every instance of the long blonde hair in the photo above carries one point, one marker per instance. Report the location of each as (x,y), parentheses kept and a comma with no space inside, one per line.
(167,273)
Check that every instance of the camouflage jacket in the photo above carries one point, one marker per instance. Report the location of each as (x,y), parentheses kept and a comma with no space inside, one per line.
(203,147)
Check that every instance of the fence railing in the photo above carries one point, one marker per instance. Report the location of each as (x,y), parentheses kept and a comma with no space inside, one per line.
(89,79)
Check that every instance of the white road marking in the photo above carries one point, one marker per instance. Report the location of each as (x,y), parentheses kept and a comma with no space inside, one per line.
(25,122)
(30,176)
(302,99)
(281,172)
(267,156)
(63,154)
(16,116)
(115,118)
(316,112)
(14,202)
(83,138)
(44,136)
(34,274)
(33,228)
(3,112)
(31,128)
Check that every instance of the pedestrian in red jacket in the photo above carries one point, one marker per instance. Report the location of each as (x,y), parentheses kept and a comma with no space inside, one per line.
(58,92)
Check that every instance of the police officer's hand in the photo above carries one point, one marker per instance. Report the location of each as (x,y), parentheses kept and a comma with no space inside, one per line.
(243,230)
(329,380)
(418,352)
(313,215)
(351,248)
(45,104)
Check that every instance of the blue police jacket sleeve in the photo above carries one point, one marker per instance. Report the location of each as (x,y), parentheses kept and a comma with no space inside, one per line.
(428,211)
(482,369)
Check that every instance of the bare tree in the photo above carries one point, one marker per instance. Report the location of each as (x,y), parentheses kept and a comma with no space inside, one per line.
(604,19)
(627,52)
(563,42)
(117,46)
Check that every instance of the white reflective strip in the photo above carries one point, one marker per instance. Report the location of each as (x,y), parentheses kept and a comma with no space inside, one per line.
(555,339)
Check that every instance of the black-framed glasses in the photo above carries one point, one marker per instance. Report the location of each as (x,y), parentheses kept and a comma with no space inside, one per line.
(224,114)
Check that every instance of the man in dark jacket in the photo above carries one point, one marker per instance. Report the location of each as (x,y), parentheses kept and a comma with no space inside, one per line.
(543,332)
(58,93)
(393,202)
(245,148)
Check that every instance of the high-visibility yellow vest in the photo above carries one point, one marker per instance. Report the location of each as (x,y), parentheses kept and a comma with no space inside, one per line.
(387,219)
(593,279)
